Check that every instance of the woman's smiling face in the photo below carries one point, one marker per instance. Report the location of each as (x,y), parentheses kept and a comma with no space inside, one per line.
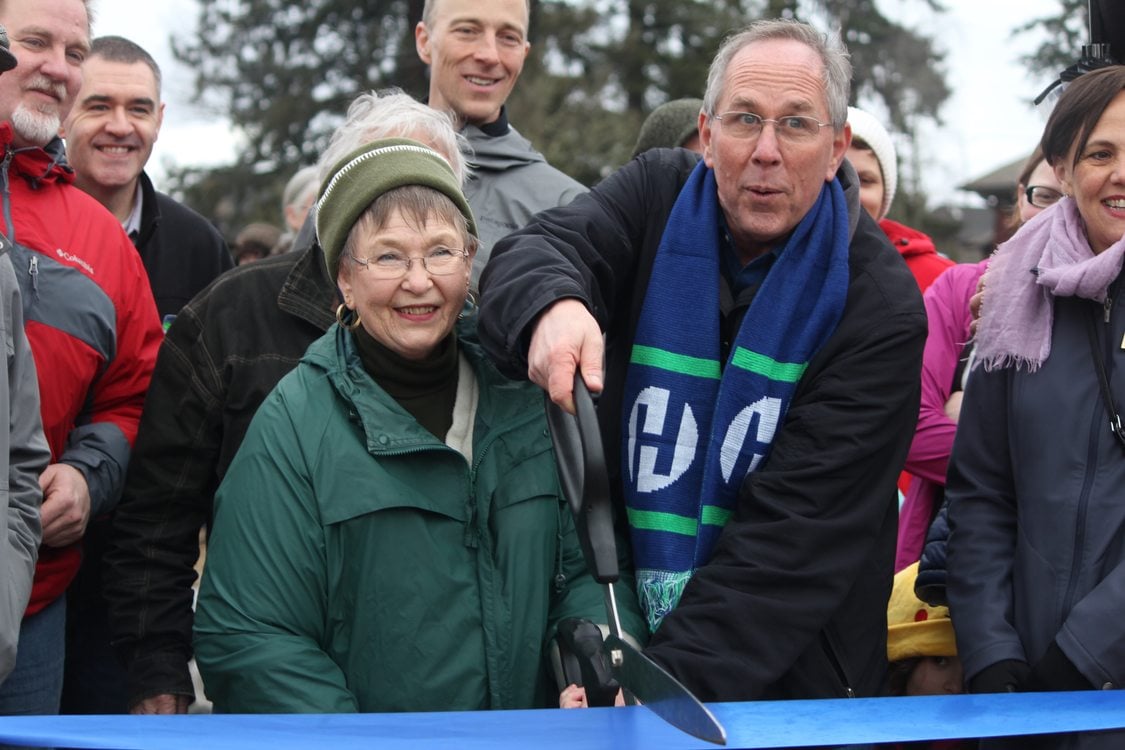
(413,313)
(1096,178)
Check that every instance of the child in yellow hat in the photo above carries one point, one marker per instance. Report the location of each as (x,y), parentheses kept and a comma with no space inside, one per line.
(920,645)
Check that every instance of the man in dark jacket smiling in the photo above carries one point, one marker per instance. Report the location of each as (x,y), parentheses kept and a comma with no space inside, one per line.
(764,345)
(109,135)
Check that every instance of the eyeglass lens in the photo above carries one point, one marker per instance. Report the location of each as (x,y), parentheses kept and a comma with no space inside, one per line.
(1042,197)
(751,125)
(393,265)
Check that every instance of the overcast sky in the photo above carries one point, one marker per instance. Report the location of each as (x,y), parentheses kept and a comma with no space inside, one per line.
(988,121)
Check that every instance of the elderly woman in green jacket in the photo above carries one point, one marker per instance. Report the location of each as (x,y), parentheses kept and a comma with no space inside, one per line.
(391,535)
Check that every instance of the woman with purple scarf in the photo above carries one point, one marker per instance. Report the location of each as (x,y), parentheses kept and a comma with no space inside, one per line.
(1036,480)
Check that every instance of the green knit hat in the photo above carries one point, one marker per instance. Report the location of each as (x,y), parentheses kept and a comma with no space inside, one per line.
(366,173)
(669,125)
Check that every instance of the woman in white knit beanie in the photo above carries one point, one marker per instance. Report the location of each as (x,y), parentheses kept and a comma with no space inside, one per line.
(872,153)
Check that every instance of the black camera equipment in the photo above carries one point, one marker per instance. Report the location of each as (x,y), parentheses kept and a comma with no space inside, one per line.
(1106,47)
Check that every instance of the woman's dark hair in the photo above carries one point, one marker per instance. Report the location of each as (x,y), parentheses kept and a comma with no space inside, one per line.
(898,674)
(1077,112)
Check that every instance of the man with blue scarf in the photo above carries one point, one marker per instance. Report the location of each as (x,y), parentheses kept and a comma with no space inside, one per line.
(763,346)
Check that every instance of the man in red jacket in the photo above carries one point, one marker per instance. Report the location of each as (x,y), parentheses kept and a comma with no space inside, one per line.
(109,134)
(89,317)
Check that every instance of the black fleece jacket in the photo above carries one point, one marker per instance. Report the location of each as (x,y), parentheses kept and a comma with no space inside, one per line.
(793,601)
(221,357)
(181,250)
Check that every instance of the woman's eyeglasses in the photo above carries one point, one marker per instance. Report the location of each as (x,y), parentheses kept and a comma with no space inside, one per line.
(441,261)
(1042,197)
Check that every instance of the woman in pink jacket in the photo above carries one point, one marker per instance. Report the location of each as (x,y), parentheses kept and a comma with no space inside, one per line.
(944,369)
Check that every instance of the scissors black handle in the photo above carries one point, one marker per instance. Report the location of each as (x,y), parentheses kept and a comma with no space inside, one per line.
(585,480)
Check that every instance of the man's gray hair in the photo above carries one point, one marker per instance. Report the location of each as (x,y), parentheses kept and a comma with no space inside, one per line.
(391,113)
(428,11)
(828,46)
(87,4)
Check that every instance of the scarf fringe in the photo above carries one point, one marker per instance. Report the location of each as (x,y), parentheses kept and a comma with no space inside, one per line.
(659,591)
(1014,361)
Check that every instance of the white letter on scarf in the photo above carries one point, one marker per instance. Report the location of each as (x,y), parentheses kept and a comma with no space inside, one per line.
(647,480)
(767,409)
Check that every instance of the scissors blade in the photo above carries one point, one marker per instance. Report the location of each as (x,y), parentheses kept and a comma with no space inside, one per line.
(662,693)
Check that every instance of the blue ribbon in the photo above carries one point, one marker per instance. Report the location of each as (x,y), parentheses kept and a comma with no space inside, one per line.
(764,724)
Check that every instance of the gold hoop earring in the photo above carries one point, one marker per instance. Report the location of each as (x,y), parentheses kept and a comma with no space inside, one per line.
(341,313)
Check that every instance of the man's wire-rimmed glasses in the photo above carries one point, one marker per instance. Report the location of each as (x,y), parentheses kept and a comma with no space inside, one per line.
(792,128)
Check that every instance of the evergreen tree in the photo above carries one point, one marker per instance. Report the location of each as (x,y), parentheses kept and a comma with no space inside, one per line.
(608,64)
(1063,35)
(284,73)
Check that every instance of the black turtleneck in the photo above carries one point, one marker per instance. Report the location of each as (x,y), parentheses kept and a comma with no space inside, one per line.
(427,388)
(497,127)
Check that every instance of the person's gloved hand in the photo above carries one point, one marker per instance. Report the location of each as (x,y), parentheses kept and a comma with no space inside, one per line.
(1008,676)
(1056,672)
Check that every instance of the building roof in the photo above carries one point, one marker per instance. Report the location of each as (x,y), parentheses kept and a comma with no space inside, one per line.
(999,183)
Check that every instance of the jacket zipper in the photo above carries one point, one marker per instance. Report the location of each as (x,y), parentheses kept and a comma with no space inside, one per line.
(560,577)
(5,183)
(1087,483)
(1096,427)
(837,667)
(471,538)
(33,270)
(497,693)
(472,533)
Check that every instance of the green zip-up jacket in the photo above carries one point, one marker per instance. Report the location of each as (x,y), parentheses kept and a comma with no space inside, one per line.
(359,564)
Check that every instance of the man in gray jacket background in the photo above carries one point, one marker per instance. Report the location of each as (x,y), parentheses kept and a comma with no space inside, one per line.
(23,450)
(476,50)
(25,456)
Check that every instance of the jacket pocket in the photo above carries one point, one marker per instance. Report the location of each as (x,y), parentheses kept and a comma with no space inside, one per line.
(531,475)
(526,494)
(427,481)
(1038,590)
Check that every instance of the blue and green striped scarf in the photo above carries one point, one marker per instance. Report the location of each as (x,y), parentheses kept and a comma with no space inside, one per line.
(693,428)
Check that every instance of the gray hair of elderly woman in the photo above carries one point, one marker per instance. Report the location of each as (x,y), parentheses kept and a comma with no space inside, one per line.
(829,47)
(390,113)
(1077,112)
